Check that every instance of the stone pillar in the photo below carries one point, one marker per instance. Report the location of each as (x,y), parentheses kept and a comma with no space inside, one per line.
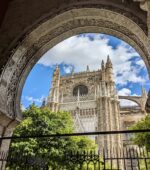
(100,89)
(103,89)
(103,122)
(7,126)
(117,115)
(110,121)
(100,127)
(115,122)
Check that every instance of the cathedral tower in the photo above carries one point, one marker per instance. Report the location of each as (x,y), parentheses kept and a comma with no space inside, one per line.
(109,70)
(53,99)
(107,105)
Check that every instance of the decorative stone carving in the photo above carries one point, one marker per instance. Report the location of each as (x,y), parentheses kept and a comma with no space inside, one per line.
(148,103)
(85,20)
(93,105)
(143,4)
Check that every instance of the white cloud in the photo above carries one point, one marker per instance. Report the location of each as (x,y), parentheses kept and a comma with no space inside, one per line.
(79,51)
(68,69)
(124,92)
(128,74)
(140,63)
(32,99)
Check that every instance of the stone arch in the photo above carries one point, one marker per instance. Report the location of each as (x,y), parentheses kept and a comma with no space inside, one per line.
(54,30)
(79,83)
(83,90)
(135,99)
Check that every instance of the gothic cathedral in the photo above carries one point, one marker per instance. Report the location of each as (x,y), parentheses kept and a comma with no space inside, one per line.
(92,99)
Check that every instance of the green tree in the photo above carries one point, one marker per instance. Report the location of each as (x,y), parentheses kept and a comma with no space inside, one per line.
(42,121)
(142,139)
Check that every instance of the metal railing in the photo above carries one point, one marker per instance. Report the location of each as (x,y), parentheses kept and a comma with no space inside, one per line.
(123,157)
(126,158)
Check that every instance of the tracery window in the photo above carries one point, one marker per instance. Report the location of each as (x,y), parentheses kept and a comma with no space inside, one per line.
(81,90)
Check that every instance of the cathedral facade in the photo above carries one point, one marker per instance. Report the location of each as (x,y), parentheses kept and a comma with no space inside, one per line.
(92,99)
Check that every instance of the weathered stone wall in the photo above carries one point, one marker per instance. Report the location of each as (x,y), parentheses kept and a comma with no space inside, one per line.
(73,105)
(90,79)
(23,16)
(53,31)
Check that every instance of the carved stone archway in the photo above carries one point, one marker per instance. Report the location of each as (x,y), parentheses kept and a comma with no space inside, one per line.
(54,30)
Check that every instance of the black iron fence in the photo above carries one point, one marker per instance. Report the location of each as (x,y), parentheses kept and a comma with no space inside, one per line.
(127,156)
(18,161)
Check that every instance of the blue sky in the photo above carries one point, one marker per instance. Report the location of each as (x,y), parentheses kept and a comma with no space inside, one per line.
(87,49)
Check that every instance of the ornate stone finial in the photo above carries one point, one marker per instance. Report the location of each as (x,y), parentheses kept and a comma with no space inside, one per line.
(102,65)
(143,4)
(108,63)
(143,91)
(56,71)
(108,58)
(143,98)
(57,67)
(87,68)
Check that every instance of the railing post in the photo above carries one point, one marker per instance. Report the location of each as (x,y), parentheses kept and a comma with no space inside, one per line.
(104,159)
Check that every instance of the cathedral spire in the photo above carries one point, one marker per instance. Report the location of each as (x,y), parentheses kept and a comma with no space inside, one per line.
(108,63)
(56,73)
(53,99)
(103,70)
(102,65)
(109,70)
(56,69)
(143,91)
(87,68)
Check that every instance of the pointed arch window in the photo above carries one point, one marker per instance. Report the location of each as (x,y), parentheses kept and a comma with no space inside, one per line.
(80,90)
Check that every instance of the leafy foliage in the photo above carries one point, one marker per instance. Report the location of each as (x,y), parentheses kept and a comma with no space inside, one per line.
(142,139)
(42,121)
